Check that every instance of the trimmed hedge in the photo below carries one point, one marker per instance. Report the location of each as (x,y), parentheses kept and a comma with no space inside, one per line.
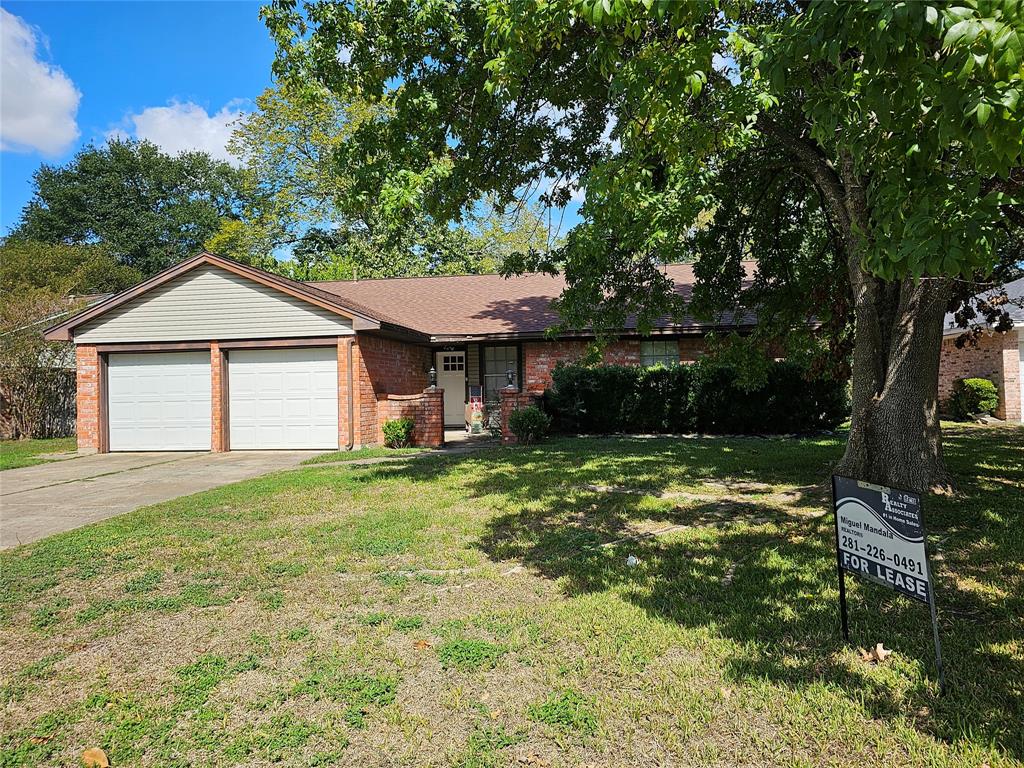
(973,397)
(701,397)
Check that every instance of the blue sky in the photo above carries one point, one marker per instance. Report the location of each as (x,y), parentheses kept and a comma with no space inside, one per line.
(176,73)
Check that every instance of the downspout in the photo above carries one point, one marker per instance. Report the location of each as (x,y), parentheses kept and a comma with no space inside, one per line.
(351,399)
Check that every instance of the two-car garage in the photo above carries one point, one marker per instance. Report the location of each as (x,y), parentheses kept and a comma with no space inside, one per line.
(213,355)
(277,398)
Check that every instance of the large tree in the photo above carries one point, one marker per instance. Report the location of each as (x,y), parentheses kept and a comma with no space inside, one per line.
(145,207)
(868,155)
(301,202)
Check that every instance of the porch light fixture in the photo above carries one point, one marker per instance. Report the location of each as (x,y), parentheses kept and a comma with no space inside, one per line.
(432,377)
(511,376)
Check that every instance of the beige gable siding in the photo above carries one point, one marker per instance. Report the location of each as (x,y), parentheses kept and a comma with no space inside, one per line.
(211,303)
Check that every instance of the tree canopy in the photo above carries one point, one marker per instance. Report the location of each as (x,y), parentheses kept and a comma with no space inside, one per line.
(148,209)
(301,200)
(867,155)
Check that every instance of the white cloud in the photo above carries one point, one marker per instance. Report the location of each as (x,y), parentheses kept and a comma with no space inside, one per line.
(183,126)
(38,102)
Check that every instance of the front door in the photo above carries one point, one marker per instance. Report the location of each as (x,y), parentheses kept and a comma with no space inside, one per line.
(451,376)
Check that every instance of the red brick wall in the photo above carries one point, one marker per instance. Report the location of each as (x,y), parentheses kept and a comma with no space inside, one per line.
(384,367)
(541,357)
(426,409)
(88,396)
(996,358)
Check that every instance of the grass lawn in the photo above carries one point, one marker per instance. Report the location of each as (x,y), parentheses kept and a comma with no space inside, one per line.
(376,452)
(478,610)
(25,453)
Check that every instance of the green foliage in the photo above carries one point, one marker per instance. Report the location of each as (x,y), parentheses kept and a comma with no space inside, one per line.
(529,424)
(146,582)
(408,623)
(484,747)
(972,397)
(469,655)
(300,197)
(63,269)
(359,693)
(398,432)
(38,382)
(850,148)
(566,709)
(146,208)
(706,396)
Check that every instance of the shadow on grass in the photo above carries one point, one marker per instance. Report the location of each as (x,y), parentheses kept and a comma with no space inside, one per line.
(771,586)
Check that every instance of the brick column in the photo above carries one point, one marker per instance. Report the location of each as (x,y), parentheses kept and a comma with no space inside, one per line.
(218,400)
(1010,404)
(87,361)
(343,404)
(432,410)
(512,400)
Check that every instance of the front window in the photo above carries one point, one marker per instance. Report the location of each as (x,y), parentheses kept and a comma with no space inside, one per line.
(498,361)
(659,353)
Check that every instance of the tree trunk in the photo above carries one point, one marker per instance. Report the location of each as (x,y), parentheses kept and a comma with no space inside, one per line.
(895,437)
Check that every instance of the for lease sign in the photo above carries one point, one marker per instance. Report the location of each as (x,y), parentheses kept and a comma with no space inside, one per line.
(880,536)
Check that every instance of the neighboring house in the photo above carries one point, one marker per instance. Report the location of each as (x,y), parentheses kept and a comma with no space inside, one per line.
(216,355)
(997,356)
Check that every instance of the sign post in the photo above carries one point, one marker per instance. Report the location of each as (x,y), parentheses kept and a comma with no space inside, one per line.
(880,537)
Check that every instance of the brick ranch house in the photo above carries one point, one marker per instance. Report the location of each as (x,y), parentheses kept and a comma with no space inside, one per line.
(216,355)
(998,357)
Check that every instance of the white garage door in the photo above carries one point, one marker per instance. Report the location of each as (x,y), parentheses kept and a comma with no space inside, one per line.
(159,401)
(283,398)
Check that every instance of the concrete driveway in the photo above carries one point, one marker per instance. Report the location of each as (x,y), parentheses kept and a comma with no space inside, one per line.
(38,501)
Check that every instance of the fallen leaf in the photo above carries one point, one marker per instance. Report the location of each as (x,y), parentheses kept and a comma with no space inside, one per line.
(876,655)
(40,739)
(421,645)
(495,714)
(94,757)
(726,693)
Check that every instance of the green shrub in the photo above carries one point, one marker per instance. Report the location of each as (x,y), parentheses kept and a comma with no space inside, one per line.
(529,424)
(398,432)
(701,397)
(972,397)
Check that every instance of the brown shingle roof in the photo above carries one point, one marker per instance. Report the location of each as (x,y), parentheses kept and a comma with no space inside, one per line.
(486,305)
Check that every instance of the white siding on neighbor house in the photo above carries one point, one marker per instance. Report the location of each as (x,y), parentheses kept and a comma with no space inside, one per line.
(209,303)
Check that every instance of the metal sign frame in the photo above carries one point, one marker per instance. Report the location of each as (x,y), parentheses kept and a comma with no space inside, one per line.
(841,569)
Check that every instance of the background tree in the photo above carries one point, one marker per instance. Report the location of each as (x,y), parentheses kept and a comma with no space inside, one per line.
(63,270)
(868,155)
(41,283)
(148,209)
(301,202)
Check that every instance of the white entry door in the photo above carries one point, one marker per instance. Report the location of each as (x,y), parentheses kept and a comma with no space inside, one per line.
(283,398)
(451,377)
(159,401)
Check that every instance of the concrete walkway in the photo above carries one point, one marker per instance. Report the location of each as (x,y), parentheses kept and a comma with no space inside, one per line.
(39,501)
